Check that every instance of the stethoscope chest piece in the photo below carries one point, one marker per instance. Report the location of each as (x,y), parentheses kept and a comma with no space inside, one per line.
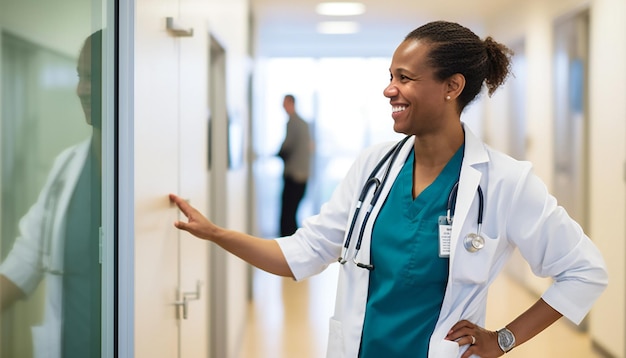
(473,242)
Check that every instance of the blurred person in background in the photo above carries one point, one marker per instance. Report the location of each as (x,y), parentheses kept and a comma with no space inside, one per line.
(295,151)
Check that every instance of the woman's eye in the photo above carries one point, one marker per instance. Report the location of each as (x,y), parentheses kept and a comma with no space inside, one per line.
(402,78)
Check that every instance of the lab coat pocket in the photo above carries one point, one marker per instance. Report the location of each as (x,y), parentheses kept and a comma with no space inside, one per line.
(446,349)
(474,267)
(335,340)
(47,340)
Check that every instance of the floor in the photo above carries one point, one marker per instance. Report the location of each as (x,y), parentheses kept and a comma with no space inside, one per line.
(289,319)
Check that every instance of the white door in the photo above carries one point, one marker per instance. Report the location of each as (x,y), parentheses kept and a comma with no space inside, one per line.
(171,309)
(156,174)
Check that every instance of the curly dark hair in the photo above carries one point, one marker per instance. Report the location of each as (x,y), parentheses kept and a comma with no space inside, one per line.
(456,49)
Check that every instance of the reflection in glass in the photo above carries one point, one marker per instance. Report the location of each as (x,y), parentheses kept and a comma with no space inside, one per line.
(50,274)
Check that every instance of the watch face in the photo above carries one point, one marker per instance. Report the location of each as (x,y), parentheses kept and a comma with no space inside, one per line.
(506,339)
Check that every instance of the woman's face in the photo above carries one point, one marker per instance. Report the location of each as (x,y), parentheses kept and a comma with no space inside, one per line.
(417,98)
(89,88)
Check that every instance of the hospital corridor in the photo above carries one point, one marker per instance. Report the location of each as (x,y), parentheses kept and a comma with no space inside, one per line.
(119,118)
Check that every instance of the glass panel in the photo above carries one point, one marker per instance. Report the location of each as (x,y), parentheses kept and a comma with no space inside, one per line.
(50,178)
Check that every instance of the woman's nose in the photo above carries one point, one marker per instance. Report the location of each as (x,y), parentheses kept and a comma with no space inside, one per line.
(390,90)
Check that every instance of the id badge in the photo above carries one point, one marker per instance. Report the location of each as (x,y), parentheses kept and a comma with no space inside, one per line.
(445,234)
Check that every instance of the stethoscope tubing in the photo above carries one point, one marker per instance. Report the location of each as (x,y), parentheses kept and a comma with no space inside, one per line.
(452,203)
(388,158)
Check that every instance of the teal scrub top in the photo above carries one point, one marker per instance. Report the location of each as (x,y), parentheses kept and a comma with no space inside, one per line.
(80,330)
(407,285)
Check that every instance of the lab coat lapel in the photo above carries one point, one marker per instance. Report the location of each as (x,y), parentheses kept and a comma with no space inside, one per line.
(469,180)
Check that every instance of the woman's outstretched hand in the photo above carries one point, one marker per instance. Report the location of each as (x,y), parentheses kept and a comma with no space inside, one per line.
(197,224)
(262,253)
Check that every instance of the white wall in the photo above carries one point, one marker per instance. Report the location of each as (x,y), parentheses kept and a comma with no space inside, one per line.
(607,159)
(534,21)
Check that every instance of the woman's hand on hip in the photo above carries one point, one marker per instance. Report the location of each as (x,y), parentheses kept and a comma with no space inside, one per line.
(482,342)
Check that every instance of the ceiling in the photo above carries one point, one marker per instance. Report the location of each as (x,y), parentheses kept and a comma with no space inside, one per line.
(287,28)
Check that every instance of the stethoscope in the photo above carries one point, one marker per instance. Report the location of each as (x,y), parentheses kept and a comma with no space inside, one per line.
(472,241)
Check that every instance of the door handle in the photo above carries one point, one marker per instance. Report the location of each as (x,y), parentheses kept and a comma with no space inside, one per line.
(175,30)
(186,297)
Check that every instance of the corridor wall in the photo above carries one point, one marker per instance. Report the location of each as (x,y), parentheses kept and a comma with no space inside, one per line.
(534,24)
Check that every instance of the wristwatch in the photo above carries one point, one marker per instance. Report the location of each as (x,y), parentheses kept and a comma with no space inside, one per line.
(506,339)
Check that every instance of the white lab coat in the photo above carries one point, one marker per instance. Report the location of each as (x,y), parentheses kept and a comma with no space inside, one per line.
(518,212)
(32,257)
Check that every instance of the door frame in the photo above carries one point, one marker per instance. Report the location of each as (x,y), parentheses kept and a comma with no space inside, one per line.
(123,344)
(218,172)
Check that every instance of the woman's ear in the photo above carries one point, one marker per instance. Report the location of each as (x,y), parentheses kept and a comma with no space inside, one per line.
(455,85)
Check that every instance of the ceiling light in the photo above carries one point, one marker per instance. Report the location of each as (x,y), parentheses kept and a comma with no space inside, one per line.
(340,8)
(337,27)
